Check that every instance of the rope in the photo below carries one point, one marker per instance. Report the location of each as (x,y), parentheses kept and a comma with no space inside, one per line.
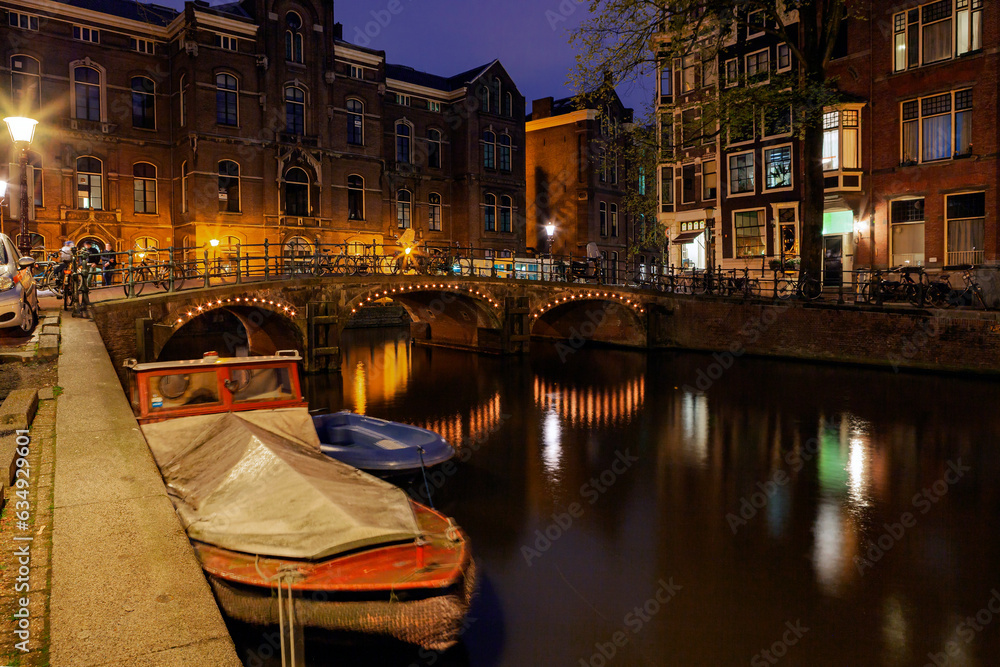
(286,574)
(423,471)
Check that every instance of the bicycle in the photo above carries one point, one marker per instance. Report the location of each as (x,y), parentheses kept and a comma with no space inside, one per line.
(76,280)
(743,285)
(144,273)
(805,287)
(968,295)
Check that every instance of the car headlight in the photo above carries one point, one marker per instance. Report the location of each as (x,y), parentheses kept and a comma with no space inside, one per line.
(6,283)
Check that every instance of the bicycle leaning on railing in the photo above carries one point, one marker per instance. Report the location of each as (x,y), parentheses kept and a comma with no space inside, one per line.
(803,286)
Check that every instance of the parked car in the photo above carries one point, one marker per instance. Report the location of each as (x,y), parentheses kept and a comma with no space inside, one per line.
(18,291)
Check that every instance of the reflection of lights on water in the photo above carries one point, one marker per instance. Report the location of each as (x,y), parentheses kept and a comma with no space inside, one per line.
(895,631)
(857,483)
(694,422)
(552,446)
(360,388)
(474,426)
(828,547)
(591,406)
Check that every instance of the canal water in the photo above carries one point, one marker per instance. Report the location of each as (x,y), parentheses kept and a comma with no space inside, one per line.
(690,509)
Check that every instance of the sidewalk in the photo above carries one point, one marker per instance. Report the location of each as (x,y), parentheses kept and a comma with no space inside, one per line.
(126,587)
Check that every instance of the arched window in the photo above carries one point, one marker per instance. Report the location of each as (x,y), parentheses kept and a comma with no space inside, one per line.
(297,248)
(144,187)
(403,134)
(614,220)
(434,149)
(508,104)
(490,213)
(143,103)
(184,186)
(603,208)
(226,93)
(504,152)
(506,211)
(25,84)
(229,187)
(496,95)
(88,183)
(434,212)
(87,90)
(182,85)
(355,197)
(293,37)
(403,202)
(146,249)
(489,150)
(355,122)
(296,192)
(295,110)
(484,98)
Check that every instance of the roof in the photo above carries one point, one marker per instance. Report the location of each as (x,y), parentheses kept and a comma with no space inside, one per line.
(418,78)
(281,356)
(127,9)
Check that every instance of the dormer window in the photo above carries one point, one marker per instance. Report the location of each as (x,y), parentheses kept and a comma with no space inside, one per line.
(86,34)
(225,42)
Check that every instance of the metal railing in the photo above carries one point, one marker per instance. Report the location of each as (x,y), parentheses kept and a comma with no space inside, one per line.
(135,272)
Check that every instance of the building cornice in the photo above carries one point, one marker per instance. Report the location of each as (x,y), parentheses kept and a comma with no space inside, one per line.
(362,57)
(423,91)
(561,119)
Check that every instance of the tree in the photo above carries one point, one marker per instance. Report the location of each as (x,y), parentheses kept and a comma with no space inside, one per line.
(628,38)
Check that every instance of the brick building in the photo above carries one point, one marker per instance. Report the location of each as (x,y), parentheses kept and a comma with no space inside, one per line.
(253,121)
(909,150)
(576,178)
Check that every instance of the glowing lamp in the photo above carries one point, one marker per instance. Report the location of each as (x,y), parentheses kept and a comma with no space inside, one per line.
(22,130)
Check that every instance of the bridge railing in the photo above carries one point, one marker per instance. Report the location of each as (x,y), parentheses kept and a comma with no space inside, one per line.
(139,271)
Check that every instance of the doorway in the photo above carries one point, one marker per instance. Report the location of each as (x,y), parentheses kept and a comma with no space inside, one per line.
(833,261)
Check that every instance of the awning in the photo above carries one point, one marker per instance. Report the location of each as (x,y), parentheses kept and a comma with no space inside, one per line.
(688,237)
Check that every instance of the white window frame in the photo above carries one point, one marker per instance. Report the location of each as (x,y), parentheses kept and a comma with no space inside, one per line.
(687,63)
(356,72)
(732,81)
(84,33)
(763,129)
(729,174)
(434,106)
(140,45)
(402,100)
(840,129)
(767,64)
(663,169)
(761,213)
(704,193)
(751,35)
(778,224)
(14,20)
(777,61)
(791,166)
(227,42)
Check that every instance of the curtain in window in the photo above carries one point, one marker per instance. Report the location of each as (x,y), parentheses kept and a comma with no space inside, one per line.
(908,244)
(937,41)
(937,137)
(831,150)
(963,132)
(851,158)
(911,141)
(966,235)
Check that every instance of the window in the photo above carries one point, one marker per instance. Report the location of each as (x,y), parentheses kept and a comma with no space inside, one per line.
(788,235)
(355,122)
(433,106)
(936,31)
(666,136)
(86,34)
(505,152)
(709,180)
(907,232)
(732,72)
(144,187)
(87,89)
(613,166)
(666,82)
(489,150)
(25,84)
(777,121)
(184,186)
(88,183)
(297,192)
(506,213)
(778,167)
(484,98)
(225,42)
(434,149)
(23,21)
(35,167)
(784,57)
(293,37)
(147,246)
(356,72)
(749,233)
(602,169)
(496,95)
(741,173)
(229,187)
(603,218)
(403,202)
(691,127)
(226,110)
(614,220)
(142,45)
(508,105)
(758,66)
(403,134)
(295,110)
(966,216)
(490,213)
(937,128)
(689,193)
(183,99)
(666,189)
(403,100)
(755,23)
(709,73)
(689,67)
(143,103)
(840,140)
(355,197)
(434,212)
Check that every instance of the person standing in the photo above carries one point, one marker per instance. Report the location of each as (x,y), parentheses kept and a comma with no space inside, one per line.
(109,261)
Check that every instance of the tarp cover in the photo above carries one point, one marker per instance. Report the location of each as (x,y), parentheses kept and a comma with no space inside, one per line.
(240,481)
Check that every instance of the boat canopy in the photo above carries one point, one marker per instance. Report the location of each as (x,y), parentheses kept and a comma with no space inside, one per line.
(245,482)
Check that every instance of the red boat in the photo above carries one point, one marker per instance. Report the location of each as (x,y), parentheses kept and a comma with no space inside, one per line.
(267,511)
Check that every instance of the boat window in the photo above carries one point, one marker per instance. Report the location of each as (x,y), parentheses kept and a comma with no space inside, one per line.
(260,384)
(168,392)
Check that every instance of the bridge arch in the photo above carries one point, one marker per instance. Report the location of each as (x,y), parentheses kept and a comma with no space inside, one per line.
(590,316)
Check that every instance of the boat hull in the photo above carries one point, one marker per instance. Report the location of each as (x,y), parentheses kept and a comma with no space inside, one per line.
(380,447)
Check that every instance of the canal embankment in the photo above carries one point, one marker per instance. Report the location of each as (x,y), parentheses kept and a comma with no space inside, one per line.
(126,588)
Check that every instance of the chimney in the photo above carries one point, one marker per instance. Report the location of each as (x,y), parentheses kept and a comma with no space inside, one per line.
(541,108)
(338,31)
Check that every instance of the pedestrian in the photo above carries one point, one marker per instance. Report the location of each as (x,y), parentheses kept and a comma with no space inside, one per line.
(109,261)
(65,259)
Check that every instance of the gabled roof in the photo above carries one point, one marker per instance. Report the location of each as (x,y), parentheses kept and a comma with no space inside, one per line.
(448,84)
(127,9)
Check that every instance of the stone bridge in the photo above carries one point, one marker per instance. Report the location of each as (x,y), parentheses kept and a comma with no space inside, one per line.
(309,314)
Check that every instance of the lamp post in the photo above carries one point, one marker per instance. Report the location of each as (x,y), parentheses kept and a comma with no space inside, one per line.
(22,131)
(3,197)
(550,231)
(710,238)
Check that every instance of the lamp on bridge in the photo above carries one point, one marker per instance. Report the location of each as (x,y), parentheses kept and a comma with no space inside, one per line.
(3,196)
(22,131)
(550,231)
(710,237)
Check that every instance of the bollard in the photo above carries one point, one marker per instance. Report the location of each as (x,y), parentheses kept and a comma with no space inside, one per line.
(208,277)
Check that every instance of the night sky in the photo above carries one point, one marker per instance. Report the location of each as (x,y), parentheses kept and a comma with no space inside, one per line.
(446,37)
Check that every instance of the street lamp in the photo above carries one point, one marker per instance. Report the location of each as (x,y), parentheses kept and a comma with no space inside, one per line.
(3,196)
(710,237)
(22,131)
(550,231)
